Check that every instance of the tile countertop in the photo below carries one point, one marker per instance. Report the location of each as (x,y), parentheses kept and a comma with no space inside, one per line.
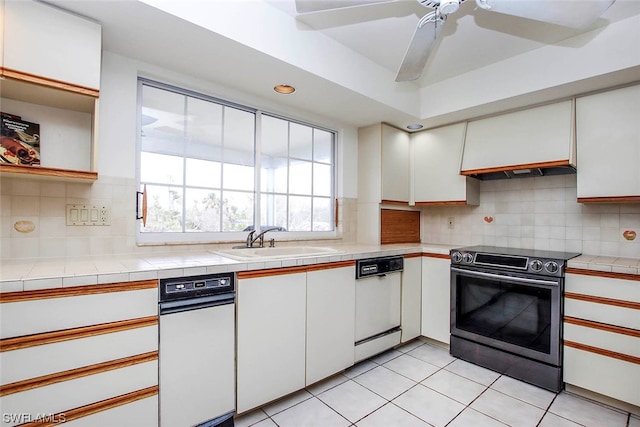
(26,275)
(605,263)
(34,274)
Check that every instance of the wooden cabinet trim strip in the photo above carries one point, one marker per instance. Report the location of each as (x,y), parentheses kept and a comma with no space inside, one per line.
(394,202)
(603,326)
(609,199)
(434,255)
(339,264)
(77,291)
(9,344)
(603,300)
(252,274)
(45,81)
(603,352)
(442,203)
(608,274)
(93,408)
(72,374)
(413,255)
(6,168)
(555,163)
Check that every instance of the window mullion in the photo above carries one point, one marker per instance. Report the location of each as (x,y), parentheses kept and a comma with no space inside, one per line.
(257,162)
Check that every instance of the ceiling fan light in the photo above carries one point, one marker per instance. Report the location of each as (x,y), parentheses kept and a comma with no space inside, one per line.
(448,6)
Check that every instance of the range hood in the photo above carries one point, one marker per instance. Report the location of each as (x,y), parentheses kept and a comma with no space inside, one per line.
(538,141)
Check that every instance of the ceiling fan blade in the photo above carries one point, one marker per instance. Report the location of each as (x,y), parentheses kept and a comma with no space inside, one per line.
(568,13)
(419,49)
(307,6)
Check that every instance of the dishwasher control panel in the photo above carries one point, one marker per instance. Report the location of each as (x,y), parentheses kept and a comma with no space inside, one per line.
(196,286)
(378,266)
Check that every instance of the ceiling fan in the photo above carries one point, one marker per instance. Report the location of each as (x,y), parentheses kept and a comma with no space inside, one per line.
(577,14)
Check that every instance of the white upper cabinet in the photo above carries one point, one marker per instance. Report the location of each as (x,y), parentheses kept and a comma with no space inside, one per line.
(383,165)
(536,137)
(608,138)
(436,156)
(395,165)
(46,42)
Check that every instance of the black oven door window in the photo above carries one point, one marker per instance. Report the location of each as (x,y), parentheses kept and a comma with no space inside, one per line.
(511,313)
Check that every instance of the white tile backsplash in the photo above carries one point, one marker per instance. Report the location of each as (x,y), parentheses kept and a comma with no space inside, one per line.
(536,213)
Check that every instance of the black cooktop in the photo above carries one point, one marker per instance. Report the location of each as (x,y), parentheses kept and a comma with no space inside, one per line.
(531,253)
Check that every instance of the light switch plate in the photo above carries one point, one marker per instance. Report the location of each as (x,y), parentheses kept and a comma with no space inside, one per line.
(88,215)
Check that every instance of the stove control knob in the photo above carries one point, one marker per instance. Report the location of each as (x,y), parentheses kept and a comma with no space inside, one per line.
(536,265)
(456,257)
(552,267)
(467,258)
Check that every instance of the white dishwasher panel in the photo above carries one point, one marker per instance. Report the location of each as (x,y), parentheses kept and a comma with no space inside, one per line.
(197,365)
(377,304)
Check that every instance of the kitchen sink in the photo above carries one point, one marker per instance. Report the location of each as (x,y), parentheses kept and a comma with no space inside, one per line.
(245,254)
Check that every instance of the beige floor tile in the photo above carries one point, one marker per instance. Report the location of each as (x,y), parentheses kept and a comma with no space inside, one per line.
(432,354)
(508,410)
(473,372)
(586,412)
(352,400)
(472,418)
(526,392)
(454,386)
(310,413)
(385,382)
(429,405)
(391,415)
(411,367)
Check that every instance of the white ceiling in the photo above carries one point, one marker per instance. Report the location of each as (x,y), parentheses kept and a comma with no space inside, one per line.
(380,33)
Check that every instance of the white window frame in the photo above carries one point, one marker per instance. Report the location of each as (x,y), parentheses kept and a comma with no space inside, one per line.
(171,238)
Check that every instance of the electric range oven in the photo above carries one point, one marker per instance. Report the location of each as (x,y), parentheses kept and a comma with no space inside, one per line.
(506,311)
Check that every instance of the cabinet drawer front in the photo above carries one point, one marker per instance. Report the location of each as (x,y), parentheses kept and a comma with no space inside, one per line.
(608,314)
(606,287)
(43,315)
(616,342)
(61,356)
(605,375)
(142,412)
(65,395)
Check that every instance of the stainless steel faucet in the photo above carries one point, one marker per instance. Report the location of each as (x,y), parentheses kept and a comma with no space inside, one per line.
(260,237)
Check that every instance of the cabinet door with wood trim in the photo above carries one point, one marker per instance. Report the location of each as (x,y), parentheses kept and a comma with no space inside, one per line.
(270,336)
(330,321)
(602,333)
(45,41)
(436,158)
(395,165)
(608,139)
(411,297)
(436,297)
(60,358)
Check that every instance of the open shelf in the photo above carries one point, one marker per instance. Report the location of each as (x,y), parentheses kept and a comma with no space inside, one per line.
(39,172)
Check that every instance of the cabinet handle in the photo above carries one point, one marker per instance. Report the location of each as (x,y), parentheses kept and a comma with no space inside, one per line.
(142,214)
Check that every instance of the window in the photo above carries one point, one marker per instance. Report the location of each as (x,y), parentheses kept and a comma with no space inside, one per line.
(213,169)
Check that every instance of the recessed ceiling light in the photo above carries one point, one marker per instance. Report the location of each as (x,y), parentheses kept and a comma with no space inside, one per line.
(415,126)
(284,89)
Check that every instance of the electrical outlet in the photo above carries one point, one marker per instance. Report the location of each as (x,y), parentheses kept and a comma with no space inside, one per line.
(88,215)
(451,224)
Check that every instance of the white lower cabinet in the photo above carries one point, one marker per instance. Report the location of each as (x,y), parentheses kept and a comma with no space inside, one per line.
(84,355)
(436,296)
(330,322)
(411,298)
(271,338)
(602,334)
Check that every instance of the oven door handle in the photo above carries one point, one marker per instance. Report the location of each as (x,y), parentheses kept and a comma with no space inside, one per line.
(505,277)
